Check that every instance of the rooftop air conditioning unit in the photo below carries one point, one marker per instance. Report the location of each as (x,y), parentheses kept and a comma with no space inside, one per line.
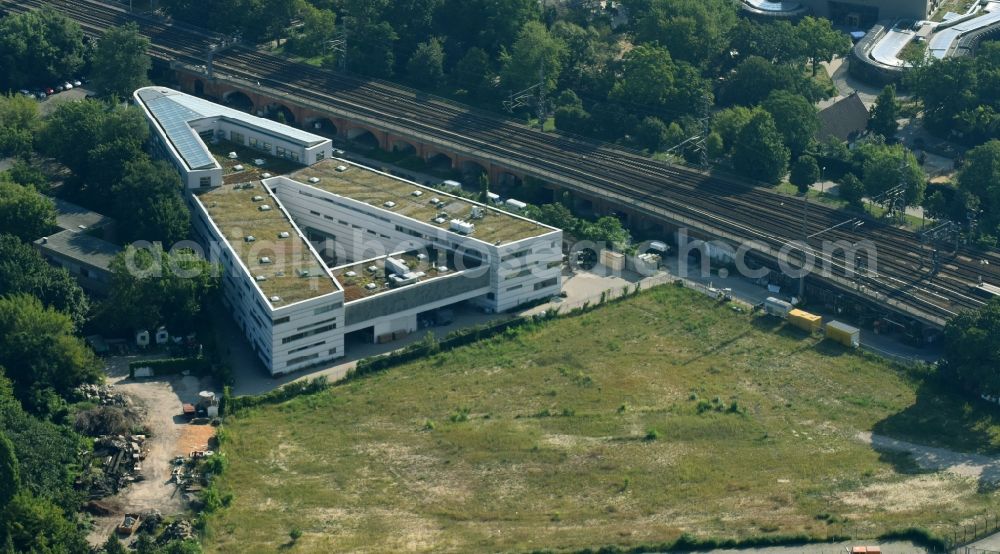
(463,227)
(275,298)
(264,260)
(233,156)
(261,277)
(265,175)
(389,204)
(372,268)
(284,235)
(371,286)
(257,198)
(238,167)
(439,220)
(264,208)
(259,161)
(304,273)
(314,180)
(417,193)
(350,274)
(249,238)
(341,168)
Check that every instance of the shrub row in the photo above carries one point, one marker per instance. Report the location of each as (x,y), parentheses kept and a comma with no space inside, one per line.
(232,403)
(688,543)
(170,366)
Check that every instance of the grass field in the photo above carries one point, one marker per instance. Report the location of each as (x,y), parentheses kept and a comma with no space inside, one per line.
(631,424)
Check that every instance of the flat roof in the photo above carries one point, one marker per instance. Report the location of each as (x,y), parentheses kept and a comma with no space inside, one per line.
(357,277)
(76,218)
(81,247)
(175,111)
(376,188)
(236,211)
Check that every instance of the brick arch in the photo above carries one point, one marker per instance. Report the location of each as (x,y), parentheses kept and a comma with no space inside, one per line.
(239,100)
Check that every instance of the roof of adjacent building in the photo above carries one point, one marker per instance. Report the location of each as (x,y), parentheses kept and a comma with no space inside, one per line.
(376,189)
(72,217)
(80,247)
(174,112)
(843,119)
(370,277)
(292,271)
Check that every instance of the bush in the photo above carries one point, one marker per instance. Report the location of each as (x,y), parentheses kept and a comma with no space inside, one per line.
(652,435)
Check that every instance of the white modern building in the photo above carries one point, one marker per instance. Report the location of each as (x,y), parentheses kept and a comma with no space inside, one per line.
(182,123)
(335,253)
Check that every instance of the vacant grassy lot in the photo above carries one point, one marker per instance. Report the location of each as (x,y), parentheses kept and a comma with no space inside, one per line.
(631,424)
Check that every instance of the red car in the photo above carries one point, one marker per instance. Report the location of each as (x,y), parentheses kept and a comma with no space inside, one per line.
(49,91)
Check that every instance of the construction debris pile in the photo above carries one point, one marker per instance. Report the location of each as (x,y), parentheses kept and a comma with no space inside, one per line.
(116,462)
(179,530)
(104,395)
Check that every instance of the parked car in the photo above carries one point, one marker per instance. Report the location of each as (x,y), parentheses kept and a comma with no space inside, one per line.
(67,86)
(26,92)
(49,91)
(60,88)
(77,83)
(40,95)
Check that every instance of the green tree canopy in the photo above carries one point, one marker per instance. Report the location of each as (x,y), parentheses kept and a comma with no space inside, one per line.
(372,50)
(885,112)
(153,287)
(40,351)
(23,212)
(18,124)
(729,122)
(23,270)
(473,71)
(795,118)
(534,53)
(805,172)
(972,349)
(35,524)
(149,205)
(887,166)
(39,48)
(319,27)
(650,80)
(10,472)
(695,31)
(759,151)
(121,64)
(426,66)
(980,177)
(821,40)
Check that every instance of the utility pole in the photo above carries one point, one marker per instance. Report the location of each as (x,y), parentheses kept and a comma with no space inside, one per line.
(338,45)
(805,245)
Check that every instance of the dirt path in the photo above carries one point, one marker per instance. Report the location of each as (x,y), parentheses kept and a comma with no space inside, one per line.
(171,435)
(977,466)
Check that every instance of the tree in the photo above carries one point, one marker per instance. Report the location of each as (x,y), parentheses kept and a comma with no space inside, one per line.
(38,48)
(113,545)
(40,351)
(488,24)
(10,473)
(121,64)
(372,50)
(729,122)
(650,79)
(607,229)
(152,287)
(755,78)
(852,190)
(884,167)
(795,118)
(319,27)
(573,119)
(426,66)
(586,58)
(805,172)
(885,112)
(535,53)
(775,41)
(149,205)
(96,142)
(35,524)
(759,151)
(23,212)
(980,177)
(23,270)
(18,123)
(654,134)
(473,71)
(972,349)
(821,40)
(695,31)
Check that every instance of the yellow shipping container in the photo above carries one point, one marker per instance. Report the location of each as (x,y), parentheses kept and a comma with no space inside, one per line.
(843,333)
(806,321)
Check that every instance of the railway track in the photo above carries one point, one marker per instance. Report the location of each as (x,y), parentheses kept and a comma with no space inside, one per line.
(713,204)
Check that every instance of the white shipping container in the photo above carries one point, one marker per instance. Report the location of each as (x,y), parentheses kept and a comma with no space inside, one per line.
(777,307)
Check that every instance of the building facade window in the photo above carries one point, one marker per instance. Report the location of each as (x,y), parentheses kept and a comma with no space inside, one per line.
(205,182)
(238,138)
